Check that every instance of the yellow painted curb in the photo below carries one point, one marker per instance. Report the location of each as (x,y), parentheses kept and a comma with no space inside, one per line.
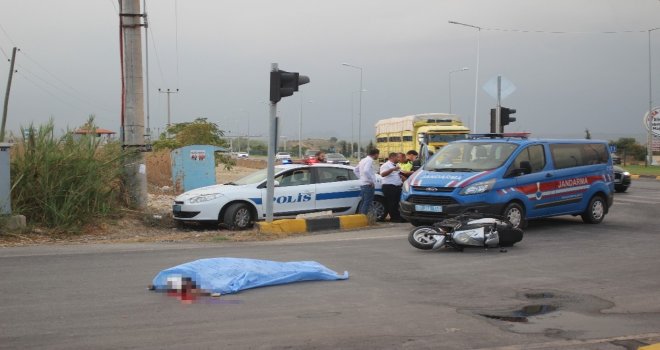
(353,221)
(650,347)
(657,177)
(634,177)
(283,226)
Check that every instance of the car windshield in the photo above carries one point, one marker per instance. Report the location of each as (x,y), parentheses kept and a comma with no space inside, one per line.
(470,156)
(334,156)
(445,137)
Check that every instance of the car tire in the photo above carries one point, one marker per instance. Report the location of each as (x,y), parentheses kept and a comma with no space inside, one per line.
(596,210)
(238,217)
(620,188)
(515,213)
(379,208)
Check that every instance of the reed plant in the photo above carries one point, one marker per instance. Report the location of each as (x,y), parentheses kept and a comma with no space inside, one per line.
(65,182)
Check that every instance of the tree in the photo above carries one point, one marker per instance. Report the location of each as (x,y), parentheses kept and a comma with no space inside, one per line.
(370,146)
(627,146)
(198,132)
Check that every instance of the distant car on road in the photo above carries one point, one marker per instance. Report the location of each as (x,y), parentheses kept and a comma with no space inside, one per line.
(241,155)
(336,158)
(283,156)
(310,157)
(622,179)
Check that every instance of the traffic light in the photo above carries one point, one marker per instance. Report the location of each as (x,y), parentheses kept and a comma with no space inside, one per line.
(283,84)
(505,116)
(493,122)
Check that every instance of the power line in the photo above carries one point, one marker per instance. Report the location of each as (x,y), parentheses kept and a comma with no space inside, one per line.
(565,32)
(114,5)
(176,37)
(49,93)
(7,35)
(160,68)
(5,54)
(64,83)
(59,89)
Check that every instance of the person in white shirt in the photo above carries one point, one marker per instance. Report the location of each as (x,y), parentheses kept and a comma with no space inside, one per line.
(365,171)
(390,172)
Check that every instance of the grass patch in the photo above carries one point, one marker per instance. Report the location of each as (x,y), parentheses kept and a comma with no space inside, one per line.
(67,182)
(643,170)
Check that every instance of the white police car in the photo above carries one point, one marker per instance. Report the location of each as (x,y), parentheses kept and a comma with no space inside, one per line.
(299,189)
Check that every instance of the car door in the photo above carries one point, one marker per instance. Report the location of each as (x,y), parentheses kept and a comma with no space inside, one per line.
(294,193)
(535,186)
(336,189)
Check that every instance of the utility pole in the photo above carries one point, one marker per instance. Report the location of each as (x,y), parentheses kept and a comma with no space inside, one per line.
(4,110)
(168,92)
(135,171)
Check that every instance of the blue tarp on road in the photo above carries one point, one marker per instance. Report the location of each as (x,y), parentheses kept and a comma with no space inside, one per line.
(230,275)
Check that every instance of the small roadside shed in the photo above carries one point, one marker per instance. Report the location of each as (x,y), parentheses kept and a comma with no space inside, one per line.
(194,166)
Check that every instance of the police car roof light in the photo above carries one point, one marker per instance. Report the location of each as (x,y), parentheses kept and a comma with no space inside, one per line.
(522,135)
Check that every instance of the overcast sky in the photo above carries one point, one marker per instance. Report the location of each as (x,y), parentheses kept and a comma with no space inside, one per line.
(218,54)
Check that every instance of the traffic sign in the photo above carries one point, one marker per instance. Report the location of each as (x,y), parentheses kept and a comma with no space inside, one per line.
(653,121)
(491,87)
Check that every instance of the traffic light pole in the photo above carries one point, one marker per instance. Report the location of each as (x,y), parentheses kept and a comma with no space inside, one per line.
(272,143)
(498,109)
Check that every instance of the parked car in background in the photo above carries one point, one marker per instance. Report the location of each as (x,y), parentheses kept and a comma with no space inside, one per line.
(242,155)
(310,157)
(336,158)
(622,179)
(283,156)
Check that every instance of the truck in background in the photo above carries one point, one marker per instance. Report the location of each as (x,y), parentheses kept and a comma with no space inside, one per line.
(402,134)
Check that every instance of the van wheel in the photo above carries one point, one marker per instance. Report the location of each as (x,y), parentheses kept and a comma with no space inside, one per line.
(238,217)
(515,213)
(595,210)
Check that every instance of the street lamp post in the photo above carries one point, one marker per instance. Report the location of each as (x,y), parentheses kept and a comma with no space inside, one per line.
(476,79)
(360,110)
(300,126)
(283,143)
(450,73)
(649,141)
(248,129)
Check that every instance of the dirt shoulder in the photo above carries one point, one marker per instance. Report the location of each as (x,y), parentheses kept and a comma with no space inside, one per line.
(154,225)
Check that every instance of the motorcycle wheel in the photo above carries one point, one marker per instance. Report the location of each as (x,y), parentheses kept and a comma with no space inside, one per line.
(422,237)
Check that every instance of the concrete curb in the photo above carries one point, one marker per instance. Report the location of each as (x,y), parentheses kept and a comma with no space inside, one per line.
(636,176)
(344,222)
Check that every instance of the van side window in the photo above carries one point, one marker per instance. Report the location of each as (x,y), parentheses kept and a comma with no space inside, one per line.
(534,155)
(573,155)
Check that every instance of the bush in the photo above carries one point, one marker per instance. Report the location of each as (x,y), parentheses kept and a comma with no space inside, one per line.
(65,182)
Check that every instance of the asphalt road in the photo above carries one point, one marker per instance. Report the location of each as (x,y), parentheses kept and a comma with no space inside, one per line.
(602,279)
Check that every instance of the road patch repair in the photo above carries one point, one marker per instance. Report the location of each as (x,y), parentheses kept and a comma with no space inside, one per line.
(219,276)
(565,315)
(314,224)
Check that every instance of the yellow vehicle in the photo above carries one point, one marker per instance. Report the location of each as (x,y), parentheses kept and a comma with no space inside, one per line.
(402,134)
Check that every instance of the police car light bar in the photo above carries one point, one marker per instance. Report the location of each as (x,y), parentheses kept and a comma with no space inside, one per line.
(522,135)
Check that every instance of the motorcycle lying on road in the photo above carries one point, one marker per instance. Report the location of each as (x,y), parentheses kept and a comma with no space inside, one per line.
(466,230)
